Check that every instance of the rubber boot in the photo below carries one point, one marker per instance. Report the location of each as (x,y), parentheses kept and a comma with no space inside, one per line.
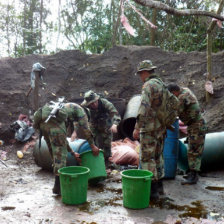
(160,187)
(192,178)
(57,189)
(154,191)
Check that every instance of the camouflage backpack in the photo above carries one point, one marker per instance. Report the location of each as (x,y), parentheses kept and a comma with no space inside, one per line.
(168,112)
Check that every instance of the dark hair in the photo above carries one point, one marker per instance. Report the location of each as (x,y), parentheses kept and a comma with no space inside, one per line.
(173,87)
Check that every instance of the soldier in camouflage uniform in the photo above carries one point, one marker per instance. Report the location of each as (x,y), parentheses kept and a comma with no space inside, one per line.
(54,132)
(148,125)
(55,135)
(190,113)
(78,117)
(104,119)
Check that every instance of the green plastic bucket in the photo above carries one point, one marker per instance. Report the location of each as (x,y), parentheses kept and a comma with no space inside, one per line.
(74,184)
(136,188)
(96,164)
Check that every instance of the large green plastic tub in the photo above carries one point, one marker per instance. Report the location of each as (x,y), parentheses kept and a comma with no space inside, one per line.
(74,184)
(96,164)
(136,188)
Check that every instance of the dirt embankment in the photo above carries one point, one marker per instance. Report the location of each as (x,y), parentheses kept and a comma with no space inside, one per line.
(71,73)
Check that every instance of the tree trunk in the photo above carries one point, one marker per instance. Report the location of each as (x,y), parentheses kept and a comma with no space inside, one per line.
(209,63)
(59,23)
(40,32)
(120,35)
(36,92)
(30,37)
(116,27)
(24,26)
(153,31)
(209,50)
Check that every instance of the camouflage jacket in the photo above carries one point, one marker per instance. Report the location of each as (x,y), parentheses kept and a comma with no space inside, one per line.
(41,115)
(53,127)
(151,101)
(77,114)
(105,116)
(189,110)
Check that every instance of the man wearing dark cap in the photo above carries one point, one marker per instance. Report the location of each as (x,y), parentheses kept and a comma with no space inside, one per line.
(190,113)
(149,126)
(104,119)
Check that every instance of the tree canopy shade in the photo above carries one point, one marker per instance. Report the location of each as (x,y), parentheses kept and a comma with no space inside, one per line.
(93,26)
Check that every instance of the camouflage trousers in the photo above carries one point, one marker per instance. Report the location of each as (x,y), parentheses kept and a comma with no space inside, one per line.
(151,158)
(57,145)
(103,140)
(196,139)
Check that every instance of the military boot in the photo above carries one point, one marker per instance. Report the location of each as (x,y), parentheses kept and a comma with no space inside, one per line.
(154,191)
(160,187)
(57,189)
(192,178)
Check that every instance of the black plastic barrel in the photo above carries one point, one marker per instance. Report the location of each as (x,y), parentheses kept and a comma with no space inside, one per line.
(127,125)
(43,159)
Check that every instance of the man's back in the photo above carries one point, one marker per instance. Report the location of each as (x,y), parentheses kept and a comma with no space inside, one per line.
(189,107)
(151,102)
(74,111)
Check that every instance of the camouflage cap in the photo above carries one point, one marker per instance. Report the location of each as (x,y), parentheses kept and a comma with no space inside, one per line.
(89,97)
(145,65)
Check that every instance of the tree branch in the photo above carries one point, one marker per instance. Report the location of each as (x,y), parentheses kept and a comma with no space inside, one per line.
(185,12)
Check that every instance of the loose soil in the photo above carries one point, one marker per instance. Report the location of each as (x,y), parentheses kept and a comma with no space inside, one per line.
(71,73)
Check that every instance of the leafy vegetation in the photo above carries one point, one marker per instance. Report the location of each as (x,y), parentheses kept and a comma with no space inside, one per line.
(48,26)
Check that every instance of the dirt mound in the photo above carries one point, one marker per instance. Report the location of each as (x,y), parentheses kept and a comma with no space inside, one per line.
(71,73)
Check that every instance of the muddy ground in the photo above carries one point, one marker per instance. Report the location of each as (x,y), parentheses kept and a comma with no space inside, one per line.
(26,197)
(25,189)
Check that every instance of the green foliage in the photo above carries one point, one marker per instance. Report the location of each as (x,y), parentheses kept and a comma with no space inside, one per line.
(32,16)
(87,25)
(184,33)
(90,25)
(22,27)
(218,40)
(8,25)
